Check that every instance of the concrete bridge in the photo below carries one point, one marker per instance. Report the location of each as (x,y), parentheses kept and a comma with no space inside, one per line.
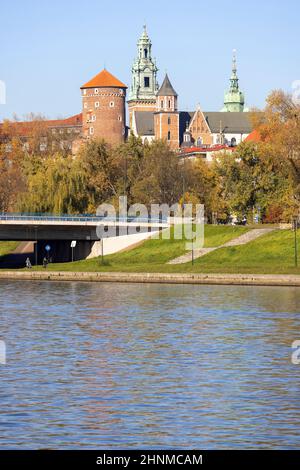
(58,231)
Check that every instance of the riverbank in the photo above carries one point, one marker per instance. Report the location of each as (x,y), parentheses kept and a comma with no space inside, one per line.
(161,278)
(270,254)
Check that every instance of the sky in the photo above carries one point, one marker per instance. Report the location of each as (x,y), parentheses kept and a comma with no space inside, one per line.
(48,49)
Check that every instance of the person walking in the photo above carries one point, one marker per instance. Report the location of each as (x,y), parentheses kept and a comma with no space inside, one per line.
(28,263)
(45,262)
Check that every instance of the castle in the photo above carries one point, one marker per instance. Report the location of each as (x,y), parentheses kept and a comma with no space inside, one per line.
(153,111)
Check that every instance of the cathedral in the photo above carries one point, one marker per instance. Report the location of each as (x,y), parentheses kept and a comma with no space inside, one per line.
(153,113)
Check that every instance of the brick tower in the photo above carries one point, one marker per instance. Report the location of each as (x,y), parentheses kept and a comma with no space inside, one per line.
(166,117)
(103,108)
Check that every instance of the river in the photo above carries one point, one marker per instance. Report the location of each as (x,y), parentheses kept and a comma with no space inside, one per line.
(116,366)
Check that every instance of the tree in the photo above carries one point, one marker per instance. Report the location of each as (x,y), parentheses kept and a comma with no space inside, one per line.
(103,171)
(252,179)
(160,179)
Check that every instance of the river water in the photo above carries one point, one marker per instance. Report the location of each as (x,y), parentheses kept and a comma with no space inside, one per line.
(92,365)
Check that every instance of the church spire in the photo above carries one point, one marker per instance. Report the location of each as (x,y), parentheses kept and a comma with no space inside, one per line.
(234,81)
(234,98)
(144,84)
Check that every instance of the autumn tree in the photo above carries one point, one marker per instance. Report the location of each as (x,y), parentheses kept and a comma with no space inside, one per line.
(160,179)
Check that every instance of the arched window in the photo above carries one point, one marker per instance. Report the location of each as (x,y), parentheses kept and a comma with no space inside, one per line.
(233,142)
(169,103)
(145,53)
(169,135)
(169,120)
(199,141)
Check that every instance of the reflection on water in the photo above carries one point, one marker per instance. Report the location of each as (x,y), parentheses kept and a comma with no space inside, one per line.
(94,365)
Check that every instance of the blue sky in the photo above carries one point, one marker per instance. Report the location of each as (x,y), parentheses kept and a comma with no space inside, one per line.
(50,48)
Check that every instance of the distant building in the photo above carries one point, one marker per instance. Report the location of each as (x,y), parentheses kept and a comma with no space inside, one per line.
(153,112)
(144,86)
(234,100)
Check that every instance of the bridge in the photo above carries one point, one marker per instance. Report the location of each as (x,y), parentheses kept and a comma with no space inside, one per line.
(58,231)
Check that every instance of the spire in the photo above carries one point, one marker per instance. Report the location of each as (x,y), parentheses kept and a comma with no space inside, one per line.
(144,39)
(144,70)
(145,34)
(166,89)
(234,81)
(234,98)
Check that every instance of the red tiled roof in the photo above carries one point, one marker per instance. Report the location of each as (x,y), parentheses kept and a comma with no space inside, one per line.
(254,137)
(214,148)
(24,128)
(104,79)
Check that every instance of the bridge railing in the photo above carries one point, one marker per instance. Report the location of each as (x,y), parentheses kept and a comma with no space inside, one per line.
(78,218)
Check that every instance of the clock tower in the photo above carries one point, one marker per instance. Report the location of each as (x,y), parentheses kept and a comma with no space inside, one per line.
(142,94)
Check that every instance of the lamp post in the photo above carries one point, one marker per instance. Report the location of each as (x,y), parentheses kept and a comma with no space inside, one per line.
(36,245)
(192,250)
(295,220)
(183,181)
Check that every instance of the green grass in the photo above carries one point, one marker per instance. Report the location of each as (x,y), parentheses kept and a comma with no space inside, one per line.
(272,253)
(269,254)
(7,247)
(152,255)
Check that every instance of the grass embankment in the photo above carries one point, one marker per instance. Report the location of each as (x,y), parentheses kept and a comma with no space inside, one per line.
(152,255)
(269,254)
(272,253)
(7,247)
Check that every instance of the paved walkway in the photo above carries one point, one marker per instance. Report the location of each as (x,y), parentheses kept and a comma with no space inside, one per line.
(241,240)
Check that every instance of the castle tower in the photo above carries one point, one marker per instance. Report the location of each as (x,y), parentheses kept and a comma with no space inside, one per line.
(103,108)
(144,83)
(234,99)
(166,117)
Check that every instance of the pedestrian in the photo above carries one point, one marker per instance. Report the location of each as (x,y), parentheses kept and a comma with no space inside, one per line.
(45,262)
(28,263)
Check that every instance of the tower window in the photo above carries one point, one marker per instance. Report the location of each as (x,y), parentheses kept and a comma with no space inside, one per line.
(169,135)
(97,104)
(91,130)
(111,104)
(169,103)
(93,118)
(161,104)
(96,91)
(145,53)
(169,120)
(146,82)
(120,118)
